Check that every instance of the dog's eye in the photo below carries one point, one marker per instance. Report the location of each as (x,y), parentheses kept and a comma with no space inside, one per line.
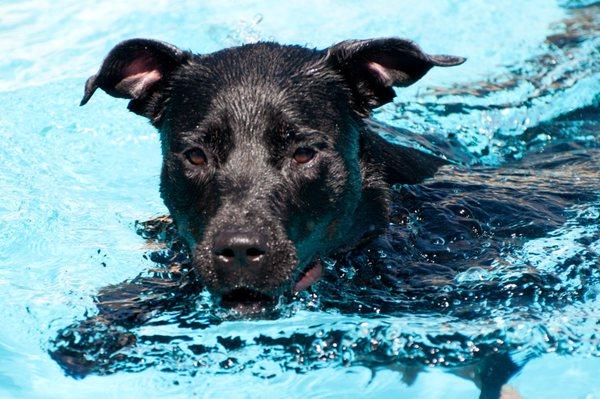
(304,154)
(196,156)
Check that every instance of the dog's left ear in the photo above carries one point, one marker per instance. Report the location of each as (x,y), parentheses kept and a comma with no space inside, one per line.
(137,69)
(373,67)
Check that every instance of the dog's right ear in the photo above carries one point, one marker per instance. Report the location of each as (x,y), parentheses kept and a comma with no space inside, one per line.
(373,67)
(137,69)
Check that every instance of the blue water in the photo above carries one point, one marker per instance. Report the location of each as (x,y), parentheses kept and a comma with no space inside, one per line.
(514,227)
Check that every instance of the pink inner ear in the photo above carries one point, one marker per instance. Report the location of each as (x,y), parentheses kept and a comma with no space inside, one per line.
(139,76)
(380,72)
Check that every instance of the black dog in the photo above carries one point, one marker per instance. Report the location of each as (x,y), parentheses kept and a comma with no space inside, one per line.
(267,161)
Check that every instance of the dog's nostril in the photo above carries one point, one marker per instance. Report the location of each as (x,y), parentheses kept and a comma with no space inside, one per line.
(254,252)
(232,247)
(226,253)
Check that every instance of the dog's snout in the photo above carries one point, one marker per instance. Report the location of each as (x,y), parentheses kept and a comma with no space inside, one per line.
(240,248)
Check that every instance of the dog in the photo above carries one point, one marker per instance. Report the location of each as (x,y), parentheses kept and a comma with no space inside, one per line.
(268,162)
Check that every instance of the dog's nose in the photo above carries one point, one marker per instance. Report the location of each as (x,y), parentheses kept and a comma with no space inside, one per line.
(240,248)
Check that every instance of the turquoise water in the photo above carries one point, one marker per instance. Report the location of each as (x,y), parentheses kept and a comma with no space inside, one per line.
(75,180)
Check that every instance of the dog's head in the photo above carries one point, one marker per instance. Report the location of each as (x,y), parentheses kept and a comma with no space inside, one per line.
(266,164)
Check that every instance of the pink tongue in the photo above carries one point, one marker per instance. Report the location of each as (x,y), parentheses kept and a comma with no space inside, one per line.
(312,276)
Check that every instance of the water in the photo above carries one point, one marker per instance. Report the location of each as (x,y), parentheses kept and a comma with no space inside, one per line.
(513,230)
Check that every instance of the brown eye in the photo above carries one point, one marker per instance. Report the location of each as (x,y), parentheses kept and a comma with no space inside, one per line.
(304,155)
(196,157)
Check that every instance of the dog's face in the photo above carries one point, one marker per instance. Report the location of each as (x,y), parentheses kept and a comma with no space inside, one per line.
(263,163)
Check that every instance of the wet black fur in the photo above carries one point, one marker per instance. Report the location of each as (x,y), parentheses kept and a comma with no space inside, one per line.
(249,108)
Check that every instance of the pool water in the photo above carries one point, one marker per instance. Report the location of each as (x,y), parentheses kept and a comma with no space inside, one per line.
(513,226)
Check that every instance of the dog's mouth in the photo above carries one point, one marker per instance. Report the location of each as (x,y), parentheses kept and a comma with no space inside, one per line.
(310,275)
(248,300)
(245,296)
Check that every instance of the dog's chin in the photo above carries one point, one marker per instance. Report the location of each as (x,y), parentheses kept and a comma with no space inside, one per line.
(247,301)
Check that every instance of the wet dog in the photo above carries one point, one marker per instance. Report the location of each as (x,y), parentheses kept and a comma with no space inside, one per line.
(268,163)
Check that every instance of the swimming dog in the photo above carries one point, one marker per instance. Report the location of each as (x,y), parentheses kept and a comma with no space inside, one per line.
(268,162)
